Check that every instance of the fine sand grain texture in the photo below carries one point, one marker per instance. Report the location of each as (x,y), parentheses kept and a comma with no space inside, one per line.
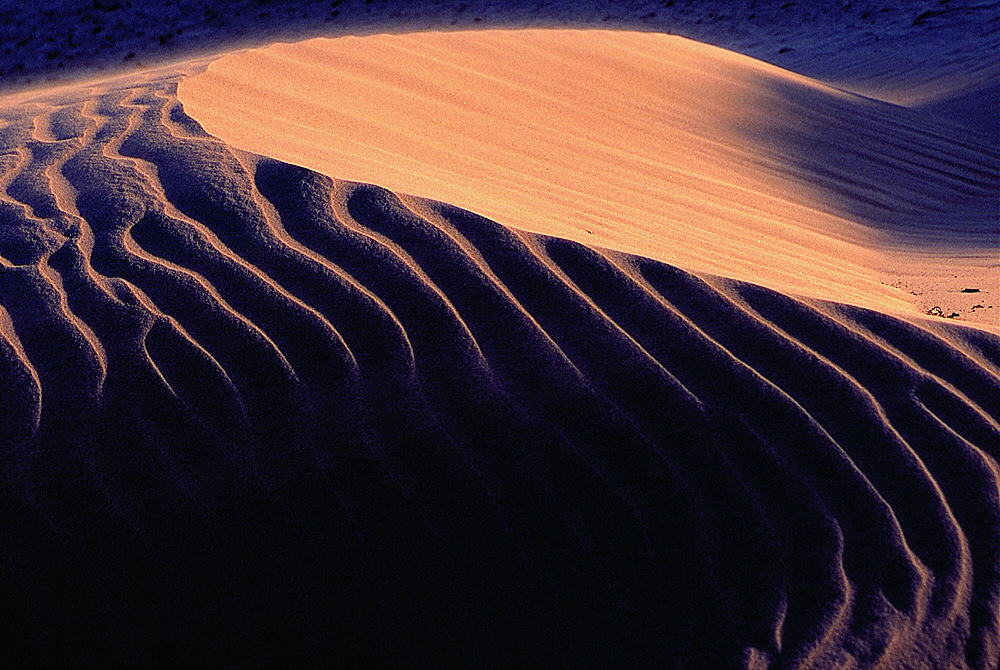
(262,416)
(640,142)
(541,348)
(942,55)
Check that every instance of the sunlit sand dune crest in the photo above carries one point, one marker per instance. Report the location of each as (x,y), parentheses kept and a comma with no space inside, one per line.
(640,142)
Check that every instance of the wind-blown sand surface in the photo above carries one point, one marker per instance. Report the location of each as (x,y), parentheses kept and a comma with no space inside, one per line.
(258,415)
(640,142)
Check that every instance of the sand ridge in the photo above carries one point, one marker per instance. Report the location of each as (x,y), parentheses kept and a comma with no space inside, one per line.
(645,143)
(256,414)
(937,55)
(400,428)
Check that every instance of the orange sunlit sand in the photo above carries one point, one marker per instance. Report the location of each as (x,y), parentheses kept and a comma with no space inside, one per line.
(645,143)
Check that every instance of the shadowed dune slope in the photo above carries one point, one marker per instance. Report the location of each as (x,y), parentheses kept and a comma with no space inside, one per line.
(251,411)
(645,143)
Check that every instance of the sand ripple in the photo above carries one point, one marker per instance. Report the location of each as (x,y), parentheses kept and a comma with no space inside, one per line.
(248,406)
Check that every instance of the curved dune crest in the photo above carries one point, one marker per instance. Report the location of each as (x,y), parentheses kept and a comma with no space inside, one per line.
(253,409)
(641,142)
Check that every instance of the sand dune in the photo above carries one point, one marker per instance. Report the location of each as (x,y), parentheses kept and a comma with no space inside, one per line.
(640,142)
(257,413)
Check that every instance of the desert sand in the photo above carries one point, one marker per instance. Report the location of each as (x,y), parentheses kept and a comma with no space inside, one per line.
(646,143)
(378,350)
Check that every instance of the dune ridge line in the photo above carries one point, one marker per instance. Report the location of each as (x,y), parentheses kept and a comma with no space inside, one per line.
(251,406)
(646,143)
